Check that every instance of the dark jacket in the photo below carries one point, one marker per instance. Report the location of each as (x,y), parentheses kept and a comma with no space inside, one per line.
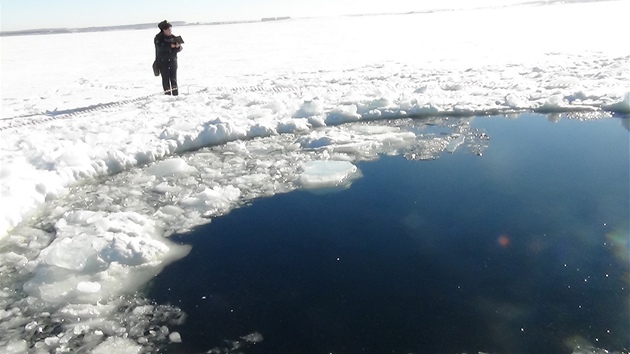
(163,50)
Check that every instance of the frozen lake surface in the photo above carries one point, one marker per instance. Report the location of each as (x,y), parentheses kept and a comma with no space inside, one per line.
(98,168)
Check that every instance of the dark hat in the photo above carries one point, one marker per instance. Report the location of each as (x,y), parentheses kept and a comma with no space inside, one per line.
(164,25)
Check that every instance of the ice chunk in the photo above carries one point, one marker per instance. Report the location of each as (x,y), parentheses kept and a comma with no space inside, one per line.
(134,251)
(343,114)
(517,101)
(212,200)
(262,129)
(118,346)
(88,287)
(170,167)
(293,125)
(253,338)
(310,143)
(50,341)
(69,253)
(13,259)
(166,188)
(554,103)
(171,210)
(175,337)
(327,174)
(621,107)
(16,347)
(309,109)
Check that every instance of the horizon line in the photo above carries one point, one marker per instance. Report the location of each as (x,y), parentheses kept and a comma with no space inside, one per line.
(145,25)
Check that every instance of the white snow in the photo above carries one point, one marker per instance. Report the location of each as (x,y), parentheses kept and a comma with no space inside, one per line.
(94,173)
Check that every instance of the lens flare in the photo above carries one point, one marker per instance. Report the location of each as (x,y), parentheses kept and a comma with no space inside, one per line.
(503,241)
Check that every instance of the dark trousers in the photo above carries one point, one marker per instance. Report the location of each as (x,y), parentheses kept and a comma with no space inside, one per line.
(168,71)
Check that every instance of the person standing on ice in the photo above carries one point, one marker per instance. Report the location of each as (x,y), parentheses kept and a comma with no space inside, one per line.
(166,48)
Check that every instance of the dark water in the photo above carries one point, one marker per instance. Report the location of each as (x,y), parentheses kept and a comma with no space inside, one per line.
(522,250)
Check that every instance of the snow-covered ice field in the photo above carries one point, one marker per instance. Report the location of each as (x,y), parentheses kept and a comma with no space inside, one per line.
(93,176)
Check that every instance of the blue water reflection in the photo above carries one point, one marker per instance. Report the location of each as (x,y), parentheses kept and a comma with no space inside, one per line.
(521,250)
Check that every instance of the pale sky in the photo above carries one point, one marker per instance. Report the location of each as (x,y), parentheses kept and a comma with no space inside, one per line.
(37,14)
